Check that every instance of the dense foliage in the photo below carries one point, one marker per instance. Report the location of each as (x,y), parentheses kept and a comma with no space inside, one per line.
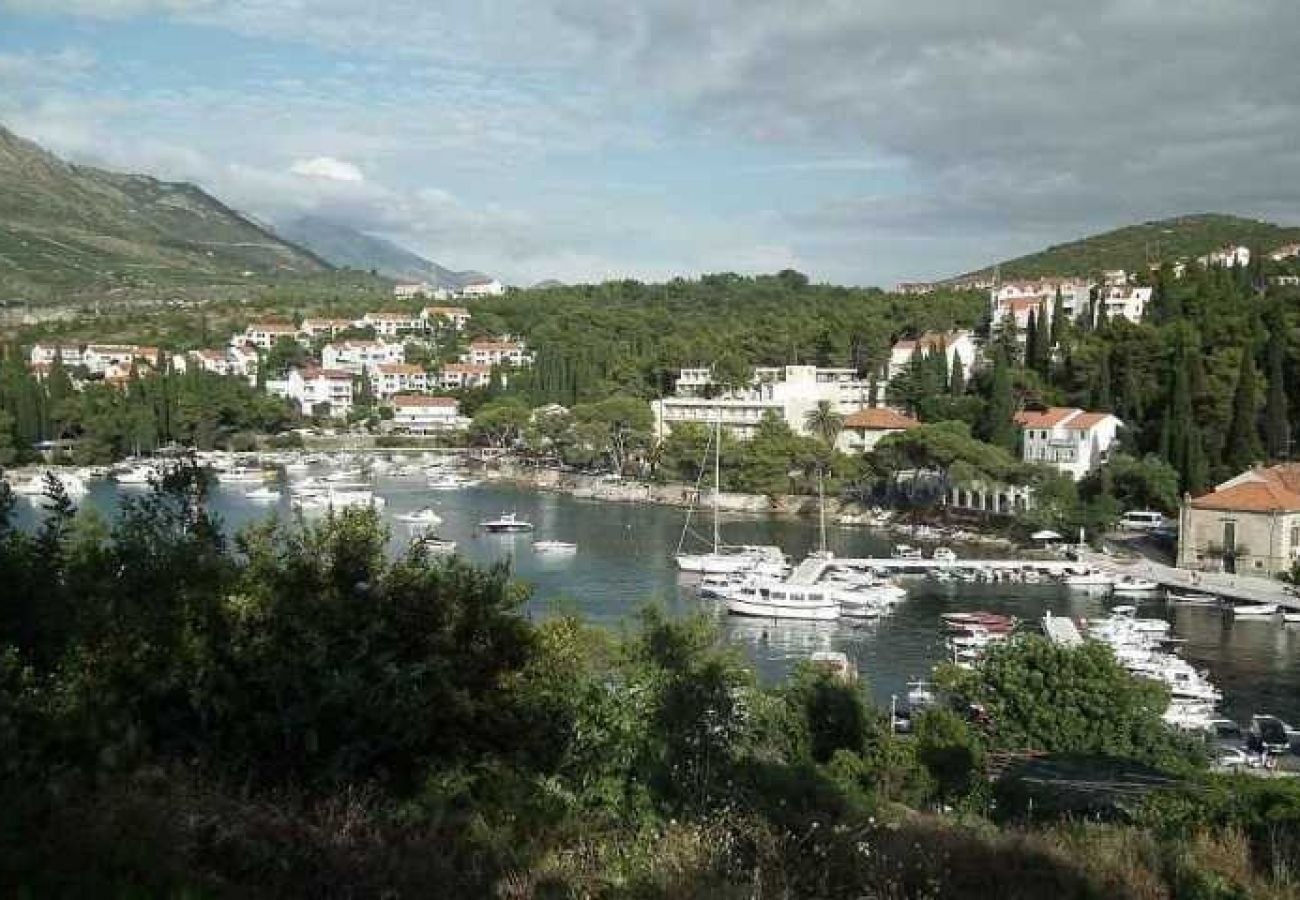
(294,712)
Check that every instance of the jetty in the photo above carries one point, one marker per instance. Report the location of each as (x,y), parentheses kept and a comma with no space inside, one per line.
(813,568)
(1232,587)
(1062,631)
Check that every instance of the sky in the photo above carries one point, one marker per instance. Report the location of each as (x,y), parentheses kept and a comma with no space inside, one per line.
(858,141)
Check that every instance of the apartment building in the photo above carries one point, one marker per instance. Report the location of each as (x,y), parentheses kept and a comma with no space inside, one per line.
(1070,440)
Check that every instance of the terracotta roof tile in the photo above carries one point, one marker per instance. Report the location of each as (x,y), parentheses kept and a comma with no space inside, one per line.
(1250,496)
(879,419)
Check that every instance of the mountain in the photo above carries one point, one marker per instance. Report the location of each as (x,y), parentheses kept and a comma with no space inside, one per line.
(68,228)
(345,246)
(1135,247)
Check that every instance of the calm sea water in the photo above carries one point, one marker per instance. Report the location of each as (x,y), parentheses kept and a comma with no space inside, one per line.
(624,561)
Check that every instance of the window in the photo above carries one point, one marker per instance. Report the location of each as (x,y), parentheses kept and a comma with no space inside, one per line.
(1229,537)
(1295,535)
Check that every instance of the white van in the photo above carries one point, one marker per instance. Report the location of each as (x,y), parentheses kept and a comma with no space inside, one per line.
(1142,520)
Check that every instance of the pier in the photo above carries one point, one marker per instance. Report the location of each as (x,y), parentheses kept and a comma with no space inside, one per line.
(812,569)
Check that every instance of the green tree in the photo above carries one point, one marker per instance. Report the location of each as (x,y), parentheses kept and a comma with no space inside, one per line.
(1241,444)
(1277,427)
(996,424)
(824,423)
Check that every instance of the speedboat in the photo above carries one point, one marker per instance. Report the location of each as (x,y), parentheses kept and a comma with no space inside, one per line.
(241,476)
(904,551)
(448,481)
(437,545)
(426,515)
(943,554)
(1191,598)
(555,548)
(263,495)
(1291,618)
(1093,579)
(506,523)
(1253,610)
(1133,586)
(142,475)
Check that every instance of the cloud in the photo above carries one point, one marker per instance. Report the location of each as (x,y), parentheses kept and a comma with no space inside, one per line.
(327,167)
(105,9)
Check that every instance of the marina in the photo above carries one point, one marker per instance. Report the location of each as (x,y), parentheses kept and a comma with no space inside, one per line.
(626,560)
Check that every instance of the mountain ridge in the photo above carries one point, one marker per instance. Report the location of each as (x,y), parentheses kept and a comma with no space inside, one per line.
(70,227)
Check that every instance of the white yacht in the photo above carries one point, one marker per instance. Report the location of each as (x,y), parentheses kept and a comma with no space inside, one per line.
(73,485)
(263,495)
(944,555)
(555,548)
(1088,579)
(1253,610)
(241,475)
(448,481)
(337,499)
(905,551)
(1134,586)
(772,599)
(138,475)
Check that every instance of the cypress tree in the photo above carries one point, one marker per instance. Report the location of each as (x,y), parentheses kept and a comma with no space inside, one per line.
(997,426)
(1031,341)
(1277,429)
(957,383)
(1101,391)
(1058,318)
(1180,438)
(1241,444)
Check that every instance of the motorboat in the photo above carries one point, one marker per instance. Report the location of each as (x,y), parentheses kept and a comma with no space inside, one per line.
(263,495)
(137,476)
(1190,598)
(1253,610)
(240,476)
(1134,586)
(74,486)
(1291,618)
(438,546)
(943,555)
(555,548)
(905,551)
(448,481)
(719,585)
(297,466)
(1091,579)
(425,515)
(506,523)
(342,475)
(773,599)
(338,499)
(729,560)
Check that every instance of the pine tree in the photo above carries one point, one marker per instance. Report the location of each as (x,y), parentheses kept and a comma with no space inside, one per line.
(1241,444)
(1277,428)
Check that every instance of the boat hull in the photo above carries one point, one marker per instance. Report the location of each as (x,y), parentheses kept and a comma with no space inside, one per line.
(764,609)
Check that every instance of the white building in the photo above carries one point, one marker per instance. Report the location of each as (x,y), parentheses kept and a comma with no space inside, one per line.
(1286,251)
(44,354)
(1017,299)
(864,429)
(1068,439)
(215,361)
(492,353)
(98,358)
(422,414)
(356,356)
(1124,302)
(387,379)
(484,287)
(456,317)
(391,324)
(310,388)
(1227,256)
(1249,524)
(955,345)
(314,328)
(457,376)
(264,335)
(407,290)
(790,393)
(243,361)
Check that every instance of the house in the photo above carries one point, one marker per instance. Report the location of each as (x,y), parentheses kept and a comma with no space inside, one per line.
(408,290)
(955,344)
(1070,440)
(243,360)
(422,414)
(98,358)
(214,361)
(392,324)
(1286,251)
(70,354)
(1227,256)
(1015,300)
(789,393)
(1124,302)
(455,316)
(482,287)
(864,429)
(1284,280)
(356,356)
(264,335)
(1249,524)
(493,353)
(314,328)
(328,390)
(458,376)
(387,379)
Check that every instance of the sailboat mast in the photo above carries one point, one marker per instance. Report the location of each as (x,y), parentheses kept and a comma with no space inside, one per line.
(717,477)
(821,509)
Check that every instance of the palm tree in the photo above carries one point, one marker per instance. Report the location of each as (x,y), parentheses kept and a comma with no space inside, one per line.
(825,423)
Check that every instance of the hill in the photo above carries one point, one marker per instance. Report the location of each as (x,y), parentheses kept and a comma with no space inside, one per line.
(345,246)
(68,228)
(1137,246)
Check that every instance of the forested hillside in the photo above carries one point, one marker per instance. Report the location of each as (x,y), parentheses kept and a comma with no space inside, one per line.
(1136,247)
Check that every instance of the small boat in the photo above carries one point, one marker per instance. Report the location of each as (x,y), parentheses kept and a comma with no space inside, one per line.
(904,551)
(297,466)
(556,548)
(943,554)
(437,545)
(241,476)
(1253,610)
(1133,585)
(426,515)
(1291,618)
(1090,579)
(263,495)
(138,476)
(506,523)
(73,485)
(772,599)
(1191,598)
(448,481)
